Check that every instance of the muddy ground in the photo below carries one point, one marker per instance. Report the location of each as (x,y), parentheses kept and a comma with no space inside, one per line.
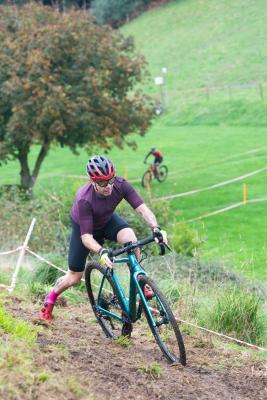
(74,349)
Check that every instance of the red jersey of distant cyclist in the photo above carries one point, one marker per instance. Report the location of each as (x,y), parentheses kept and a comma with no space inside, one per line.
(92,212)
(157,153)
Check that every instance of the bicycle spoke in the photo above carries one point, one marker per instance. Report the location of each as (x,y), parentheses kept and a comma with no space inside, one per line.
(104,300)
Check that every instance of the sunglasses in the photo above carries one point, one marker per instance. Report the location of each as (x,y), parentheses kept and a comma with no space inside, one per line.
(105,183)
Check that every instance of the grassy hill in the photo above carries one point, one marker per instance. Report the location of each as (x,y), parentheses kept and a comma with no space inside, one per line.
(204,43)
(217,46)
(200,43)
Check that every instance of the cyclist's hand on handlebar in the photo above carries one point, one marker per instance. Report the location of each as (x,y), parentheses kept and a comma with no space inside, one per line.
(160,236)
(104,258)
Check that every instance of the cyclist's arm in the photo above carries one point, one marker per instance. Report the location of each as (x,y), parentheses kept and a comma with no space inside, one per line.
(147,215)
(148,154)
(91,243)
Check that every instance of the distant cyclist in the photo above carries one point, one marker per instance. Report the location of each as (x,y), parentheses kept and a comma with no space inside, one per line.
(94,219)
(158,158)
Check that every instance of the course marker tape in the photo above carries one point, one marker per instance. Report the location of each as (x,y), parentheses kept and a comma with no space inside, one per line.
(239,178)
(139,168)
(253,346)
(10,251)
(222,210)
(4,286)
(47,262)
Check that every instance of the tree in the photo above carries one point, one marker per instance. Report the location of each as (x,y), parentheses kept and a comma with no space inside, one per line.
(116,12)
(68,81)
(113,12)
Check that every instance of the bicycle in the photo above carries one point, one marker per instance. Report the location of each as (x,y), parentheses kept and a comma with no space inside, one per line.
(152,172)
(116,314)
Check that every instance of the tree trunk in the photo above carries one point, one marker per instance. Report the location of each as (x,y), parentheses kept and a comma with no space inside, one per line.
(27,180)
(25,175)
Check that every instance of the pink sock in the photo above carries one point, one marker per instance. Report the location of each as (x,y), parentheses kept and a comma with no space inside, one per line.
(51,298)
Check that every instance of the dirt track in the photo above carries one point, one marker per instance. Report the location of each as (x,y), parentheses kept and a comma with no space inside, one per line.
(74,346)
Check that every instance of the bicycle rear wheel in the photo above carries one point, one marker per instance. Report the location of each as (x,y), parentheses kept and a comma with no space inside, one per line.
(163,173)
(146,178)
(102,293)
(164,326)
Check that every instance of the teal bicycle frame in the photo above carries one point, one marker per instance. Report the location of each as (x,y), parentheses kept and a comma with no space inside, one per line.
(111,304)
(129,305)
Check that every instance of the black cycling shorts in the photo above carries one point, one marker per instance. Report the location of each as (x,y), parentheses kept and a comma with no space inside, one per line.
(78,252)
(158,160)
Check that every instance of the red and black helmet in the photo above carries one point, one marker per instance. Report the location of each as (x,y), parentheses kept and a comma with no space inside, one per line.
(100,168)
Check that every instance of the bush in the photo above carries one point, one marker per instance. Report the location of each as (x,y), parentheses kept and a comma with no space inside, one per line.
(46,275)
(51,231)
(115,12)
(185,240)
(238,312)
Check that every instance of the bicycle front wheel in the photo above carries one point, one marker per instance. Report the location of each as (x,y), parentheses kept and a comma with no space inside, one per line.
(163,324)
(146,178)
(105,301)
(163,173)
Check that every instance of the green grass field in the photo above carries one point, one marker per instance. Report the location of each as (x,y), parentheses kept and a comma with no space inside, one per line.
(200,43)
(197,158)
(204,42)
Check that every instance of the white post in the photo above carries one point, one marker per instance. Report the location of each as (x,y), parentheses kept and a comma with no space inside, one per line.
(21,255)
(164,87)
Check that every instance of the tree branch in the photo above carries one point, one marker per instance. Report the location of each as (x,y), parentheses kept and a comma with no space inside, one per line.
(42,153)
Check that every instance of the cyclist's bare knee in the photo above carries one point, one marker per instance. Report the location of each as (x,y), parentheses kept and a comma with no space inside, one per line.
(126,235)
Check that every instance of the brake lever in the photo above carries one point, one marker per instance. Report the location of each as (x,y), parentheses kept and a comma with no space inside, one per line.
(168,247)
(162,249)
(162,246)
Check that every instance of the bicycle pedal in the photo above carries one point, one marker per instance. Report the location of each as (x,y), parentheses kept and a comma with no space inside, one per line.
(127,329)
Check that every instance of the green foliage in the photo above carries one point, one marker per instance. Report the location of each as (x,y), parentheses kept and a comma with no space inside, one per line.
(165,214)
(115,12)
(75,387)
(235,112)
(124,341)
(17,328)
(161,209)
(45,274)
(239,313)
(58,86)
(37,290)
(43,376)
(50,233)
(153,370)
(171,290)
(75,296)
(185,240)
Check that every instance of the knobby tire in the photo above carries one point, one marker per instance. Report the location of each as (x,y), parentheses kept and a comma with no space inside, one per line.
(163,173)
(175,350)
(146,178)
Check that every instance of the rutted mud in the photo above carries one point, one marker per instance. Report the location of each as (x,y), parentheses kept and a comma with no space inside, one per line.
(75,346)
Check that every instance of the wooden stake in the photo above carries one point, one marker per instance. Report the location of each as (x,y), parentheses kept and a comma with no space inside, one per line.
(244,193)
(148,189)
